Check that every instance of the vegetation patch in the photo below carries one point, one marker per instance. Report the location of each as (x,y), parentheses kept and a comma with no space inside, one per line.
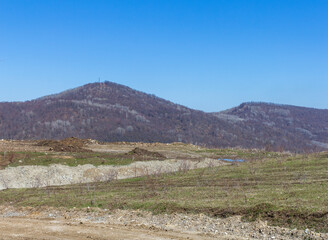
(14,159)
(287,191)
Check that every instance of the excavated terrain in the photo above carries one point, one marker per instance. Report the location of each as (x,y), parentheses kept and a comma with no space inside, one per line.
(48,223)
(146,162)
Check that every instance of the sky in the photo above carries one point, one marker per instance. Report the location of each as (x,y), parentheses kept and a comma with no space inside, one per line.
(206,55)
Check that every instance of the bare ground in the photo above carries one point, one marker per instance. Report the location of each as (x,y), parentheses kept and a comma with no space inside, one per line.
(93,223)
(26,229)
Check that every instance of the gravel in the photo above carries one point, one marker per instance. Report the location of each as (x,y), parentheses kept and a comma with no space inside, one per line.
(186,223)
(53,175)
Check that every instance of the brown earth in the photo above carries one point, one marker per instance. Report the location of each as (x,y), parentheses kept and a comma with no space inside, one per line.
(45,229)
(141,153)
(48,223)
(71,144)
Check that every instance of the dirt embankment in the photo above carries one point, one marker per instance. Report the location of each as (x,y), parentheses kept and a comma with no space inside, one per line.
(41,176)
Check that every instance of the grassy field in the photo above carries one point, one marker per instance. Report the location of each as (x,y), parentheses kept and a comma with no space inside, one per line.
(24,158)
(248,154)
(14,159)
(287,191)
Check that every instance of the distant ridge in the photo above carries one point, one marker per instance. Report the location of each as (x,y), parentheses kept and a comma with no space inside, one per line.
(109,111)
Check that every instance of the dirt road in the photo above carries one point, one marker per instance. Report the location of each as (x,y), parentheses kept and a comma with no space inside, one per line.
(99,224)
(23,228)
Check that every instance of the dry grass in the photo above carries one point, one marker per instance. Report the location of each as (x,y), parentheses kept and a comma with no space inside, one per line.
(289,191)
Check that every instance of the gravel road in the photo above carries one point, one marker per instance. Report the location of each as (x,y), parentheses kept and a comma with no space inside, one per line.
(50,223)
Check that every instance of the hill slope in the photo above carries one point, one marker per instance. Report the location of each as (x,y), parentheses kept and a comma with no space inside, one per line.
(281,126)
(113,112)
(107,112)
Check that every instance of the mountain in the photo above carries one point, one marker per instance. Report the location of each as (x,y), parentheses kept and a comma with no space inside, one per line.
(112,112)
(282,127)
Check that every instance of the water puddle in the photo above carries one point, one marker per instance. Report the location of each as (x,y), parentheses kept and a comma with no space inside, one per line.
(232,160)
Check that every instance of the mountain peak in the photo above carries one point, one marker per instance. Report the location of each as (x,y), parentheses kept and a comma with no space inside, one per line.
(88,90)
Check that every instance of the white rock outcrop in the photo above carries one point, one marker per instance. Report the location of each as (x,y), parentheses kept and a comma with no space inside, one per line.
(42,176)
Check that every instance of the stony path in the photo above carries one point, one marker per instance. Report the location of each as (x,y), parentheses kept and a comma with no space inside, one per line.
(50,223)
(28,229)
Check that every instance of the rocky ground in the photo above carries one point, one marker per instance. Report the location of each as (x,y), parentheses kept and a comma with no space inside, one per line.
(42,176)
(166,158)
(47,223)
(93,223)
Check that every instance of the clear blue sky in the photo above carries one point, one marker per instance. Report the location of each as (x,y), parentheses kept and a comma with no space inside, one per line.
(208,55)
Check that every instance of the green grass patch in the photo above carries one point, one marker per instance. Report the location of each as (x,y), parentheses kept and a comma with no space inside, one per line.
(14,159)
(248,154)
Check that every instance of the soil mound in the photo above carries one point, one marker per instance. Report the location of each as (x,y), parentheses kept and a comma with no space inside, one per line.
(71,144)
(141,153)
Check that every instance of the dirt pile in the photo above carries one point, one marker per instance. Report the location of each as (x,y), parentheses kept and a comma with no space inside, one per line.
(71,144)
(5,160)
(140,153)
